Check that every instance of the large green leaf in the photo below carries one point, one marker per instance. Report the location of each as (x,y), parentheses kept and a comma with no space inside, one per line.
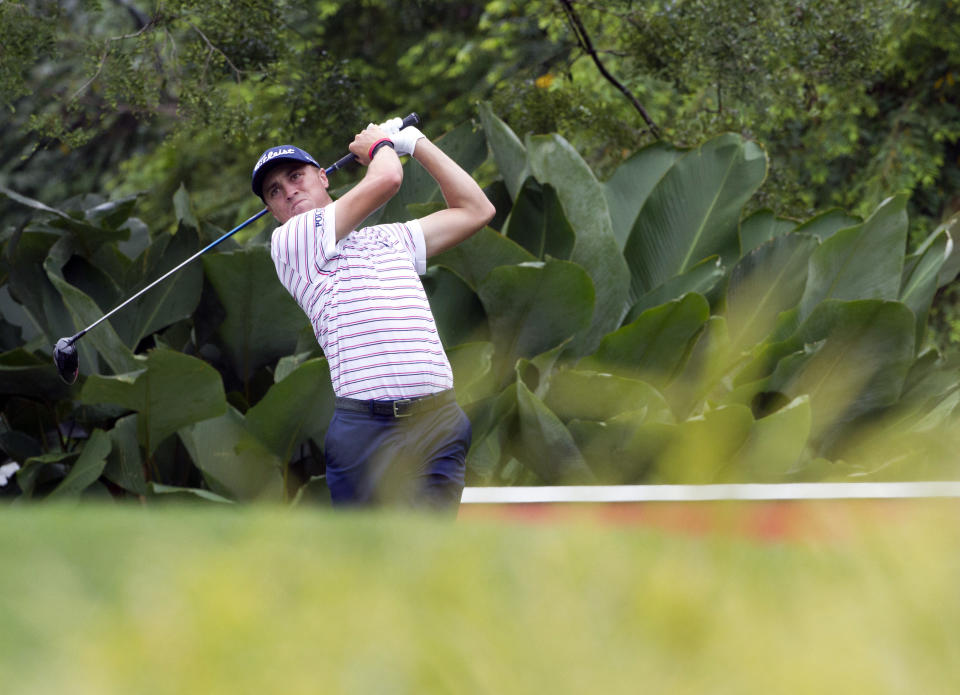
(16,328)
(30,287)
(87,468)
(493,426)
(17,445)
(88,236)
(125,464)
(478,255)
(456,308)
(555,162)
(23,373)
(533,307)
(863,262)
(95,280)
(41,473)
(298,407)
(84,312)
(472,365)
(694,211)
(112,214)
(174,299)
(183,494)
(538,224)
(262,320)
(701,278)
(929,380)
(183,208)
(35,204)
(775,444)
(702,447)
(233,461)
(709,362)
(850,357)
(608,449)
(642,448)
(139,238)
(627,190)
(548,448)
(584,395)
(169,391)
(538,372)
(768,280)
(655,345)
(921,278)
(826,224)
(508,152)
(761,227)
(10,333)
(952,267)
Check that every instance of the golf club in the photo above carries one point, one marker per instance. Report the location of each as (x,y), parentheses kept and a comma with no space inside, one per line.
(65,355)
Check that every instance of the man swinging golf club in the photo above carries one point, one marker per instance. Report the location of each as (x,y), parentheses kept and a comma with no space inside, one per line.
(397,434)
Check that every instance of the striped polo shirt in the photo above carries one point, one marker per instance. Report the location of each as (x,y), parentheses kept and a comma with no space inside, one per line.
(368,308)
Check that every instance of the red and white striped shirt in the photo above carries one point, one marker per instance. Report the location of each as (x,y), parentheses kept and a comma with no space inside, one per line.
(368,308)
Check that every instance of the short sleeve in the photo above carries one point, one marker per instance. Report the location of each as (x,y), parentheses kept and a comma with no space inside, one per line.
(328,221)
(419,246)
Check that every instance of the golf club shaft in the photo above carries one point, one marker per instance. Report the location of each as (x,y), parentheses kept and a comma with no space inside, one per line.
(170,272)
(410,120)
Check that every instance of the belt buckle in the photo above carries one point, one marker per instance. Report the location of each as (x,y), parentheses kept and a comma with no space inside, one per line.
(404,401)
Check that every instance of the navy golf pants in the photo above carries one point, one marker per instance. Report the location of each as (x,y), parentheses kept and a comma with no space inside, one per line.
(416,461)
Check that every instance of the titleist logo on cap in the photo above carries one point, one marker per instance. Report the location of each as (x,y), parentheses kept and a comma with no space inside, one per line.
(267,156)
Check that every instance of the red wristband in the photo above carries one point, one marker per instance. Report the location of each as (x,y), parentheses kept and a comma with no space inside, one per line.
(382,142)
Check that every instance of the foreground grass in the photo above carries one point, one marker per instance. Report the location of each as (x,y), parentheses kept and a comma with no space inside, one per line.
(212,600)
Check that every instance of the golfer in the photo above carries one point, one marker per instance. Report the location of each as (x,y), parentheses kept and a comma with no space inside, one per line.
(397,434)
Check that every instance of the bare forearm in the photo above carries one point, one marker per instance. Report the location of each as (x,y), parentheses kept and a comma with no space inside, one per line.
(468,208)
(457,186)
(381,181)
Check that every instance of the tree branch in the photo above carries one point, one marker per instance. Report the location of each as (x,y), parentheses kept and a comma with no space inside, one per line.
(106,54)
(139,19)
(602,8)
(236,71)
(583,39)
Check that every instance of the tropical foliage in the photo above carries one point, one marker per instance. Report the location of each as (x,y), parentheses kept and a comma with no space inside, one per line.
(635,329)
(855,101)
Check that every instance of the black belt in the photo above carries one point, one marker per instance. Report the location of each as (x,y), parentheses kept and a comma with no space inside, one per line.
(405,407)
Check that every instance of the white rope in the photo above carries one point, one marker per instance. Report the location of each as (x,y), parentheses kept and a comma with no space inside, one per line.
(700,493)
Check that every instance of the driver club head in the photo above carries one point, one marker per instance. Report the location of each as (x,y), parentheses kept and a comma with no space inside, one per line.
(67,360)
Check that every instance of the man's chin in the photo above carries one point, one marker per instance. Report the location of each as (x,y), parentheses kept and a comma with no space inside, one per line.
(301,206)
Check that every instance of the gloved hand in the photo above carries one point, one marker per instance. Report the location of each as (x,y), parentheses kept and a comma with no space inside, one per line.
(392,126)
(404,140)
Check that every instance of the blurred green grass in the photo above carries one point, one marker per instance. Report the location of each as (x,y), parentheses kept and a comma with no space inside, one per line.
(193,599)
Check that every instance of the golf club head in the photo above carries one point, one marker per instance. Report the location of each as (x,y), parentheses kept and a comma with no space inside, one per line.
(67,360)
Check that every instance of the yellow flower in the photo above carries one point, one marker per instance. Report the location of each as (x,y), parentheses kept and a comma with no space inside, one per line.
(544,81)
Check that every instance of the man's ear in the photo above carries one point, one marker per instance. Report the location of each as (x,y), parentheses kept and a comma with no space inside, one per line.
(273,214)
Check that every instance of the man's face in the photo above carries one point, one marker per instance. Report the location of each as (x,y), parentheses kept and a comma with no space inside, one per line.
(294,187)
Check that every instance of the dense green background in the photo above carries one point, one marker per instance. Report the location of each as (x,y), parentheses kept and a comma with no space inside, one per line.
(855,101)
(659,287)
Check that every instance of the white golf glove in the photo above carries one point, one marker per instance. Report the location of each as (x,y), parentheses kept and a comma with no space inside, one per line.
(404,140)
(392,126)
